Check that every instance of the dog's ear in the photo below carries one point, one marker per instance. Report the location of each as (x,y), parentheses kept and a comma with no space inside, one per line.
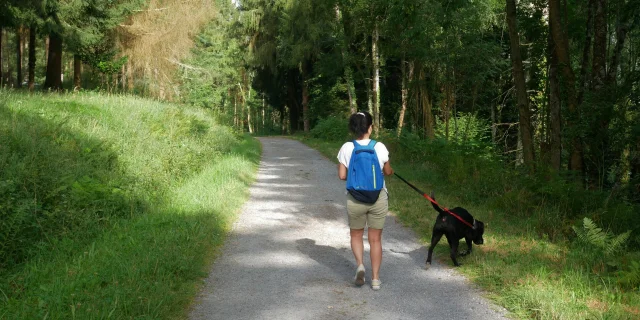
(475,224)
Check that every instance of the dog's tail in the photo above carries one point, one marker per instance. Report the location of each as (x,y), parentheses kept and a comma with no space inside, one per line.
(435,206)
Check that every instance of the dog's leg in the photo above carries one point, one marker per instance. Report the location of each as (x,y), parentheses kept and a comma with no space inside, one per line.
(434,240)
(453,244)
(469,246)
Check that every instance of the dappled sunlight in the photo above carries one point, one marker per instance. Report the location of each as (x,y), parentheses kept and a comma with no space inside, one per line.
(278,186)
(272,259)
(269,177)
(269,166)
(294,240)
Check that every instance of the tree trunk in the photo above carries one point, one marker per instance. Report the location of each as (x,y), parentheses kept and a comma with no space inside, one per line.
(54,63)
(555,115)
(32,57)
(235,111)
(248,108)
(423,101)
(283,118)
(369,95)
(494,127)
(351,90)
(521,89)
(123,78)
(19,57)
(348,72)
(46,51)
(1,58)
(427,107)
(445,108)
(404,93)
(634,157)
(375,56)
(129,76)
(623,24)
(77,72)
(562,52)
(599,150)
(585,79)
(240,111)
(263,113)
(305,96)
(598,69)
(293,102)
(7,75)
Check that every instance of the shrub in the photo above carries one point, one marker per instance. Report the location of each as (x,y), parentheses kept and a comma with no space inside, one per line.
(332,129)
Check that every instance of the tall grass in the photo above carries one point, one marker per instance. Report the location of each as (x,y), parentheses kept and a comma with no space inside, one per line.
(111,206)
(531,262)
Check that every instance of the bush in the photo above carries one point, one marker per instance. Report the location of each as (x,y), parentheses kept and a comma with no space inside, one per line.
(332,129)
(550,202)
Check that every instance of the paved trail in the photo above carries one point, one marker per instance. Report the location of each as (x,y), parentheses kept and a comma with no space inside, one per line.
(288,256)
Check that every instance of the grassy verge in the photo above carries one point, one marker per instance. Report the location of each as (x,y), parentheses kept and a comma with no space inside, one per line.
(111,206)
(534,274)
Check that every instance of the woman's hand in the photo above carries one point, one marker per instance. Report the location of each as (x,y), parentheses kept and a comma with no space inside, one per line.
(387,170)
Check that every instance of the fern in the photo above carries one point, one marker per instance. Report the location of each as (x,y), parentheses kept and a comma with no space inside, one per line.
(600,240)
(617,243)
(630,276)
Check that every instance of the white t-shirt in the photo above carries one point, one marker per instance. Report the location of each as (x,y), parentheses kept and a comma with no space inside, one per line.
(344,155)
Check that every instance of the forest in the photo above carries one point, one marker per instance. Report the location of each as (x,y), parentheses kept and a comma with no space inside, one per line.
(549,84)
(532,105)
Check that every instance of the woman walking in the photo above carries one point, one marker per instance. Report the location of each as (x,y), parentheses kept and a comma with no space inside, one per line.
(363,162)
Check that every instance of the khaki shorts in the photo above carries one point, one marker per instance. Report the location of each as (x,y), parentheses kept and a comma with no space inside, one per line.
(371,214)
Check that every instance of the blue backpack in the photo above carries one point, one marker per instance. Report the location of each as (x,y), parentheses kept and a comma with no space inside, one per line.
(364,176)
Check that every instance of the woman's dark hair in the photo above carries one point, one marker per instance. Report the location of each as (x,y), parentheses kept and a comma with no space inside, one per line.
(359,123)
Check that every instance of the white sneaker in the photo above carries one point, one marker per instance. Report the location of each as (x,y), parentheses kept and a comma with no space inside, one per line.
(375,284)
(359,278)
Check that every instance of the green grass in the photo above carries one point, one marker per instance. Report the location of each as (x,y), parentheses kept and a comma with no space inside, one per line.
(521,266)
(112,206)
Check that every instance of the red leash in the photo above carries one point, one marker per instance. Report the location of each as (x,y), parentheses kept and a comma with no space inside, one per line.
(434,201)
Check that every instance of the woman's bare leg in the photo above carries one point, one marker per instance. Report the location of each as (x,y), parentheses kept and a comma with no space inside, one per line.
(375,242)
(357,246)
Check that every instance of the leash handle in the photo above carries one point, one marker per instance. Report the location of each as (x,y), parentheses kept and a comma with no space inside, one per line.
(433,201)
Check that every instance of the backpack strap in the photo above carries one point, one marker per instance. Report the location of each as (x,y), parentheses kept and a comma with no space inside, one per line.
(360,148)
(371,144)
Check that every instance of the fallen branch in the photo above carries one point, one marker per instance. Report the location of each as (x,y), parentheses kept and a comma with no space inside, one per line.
(148,10)
(505,124)
(186,66)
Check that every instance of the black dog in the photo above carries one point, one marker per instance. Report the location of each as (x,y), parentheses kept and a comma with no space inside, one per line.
(452,228)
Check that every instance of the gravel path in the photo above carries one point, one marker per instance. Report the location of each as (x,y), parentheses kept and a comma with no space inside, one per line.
(288,256)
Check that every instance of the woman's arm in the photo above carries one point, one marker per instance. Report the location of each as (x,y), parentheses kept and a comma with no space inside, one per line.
(387,170)
(342,171)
